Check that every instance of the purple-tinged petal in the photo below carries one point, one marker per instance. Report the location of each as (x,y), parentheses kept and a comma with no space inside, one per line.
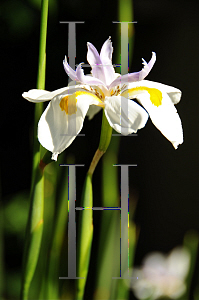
(87,79)
(71,73)
(147,67)
(137,76)
(107,51)
(95,62)
(106,58)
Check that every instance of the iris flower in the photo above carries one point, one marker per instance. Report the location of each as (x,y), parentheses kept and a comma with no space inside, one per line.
(161,275)
(63,118)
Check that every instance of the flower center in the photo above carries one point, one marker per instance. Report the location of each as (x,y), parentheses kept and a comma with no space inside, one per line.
(68,104)
(115,91)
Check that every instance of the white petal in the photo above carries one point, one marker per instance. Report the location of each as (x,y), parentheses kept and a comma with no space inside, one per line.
(126,117)
(37,96)
(92,111)
(56,129)
(164,115)
(34,95)
(174,93)
(179,262)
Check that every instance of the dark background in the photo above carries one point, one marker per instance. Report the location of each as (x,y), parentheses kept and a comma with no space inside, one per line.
(166,180)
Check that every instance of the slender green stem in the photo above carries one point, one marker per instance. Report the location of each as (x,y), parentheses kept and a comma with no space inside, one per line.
(42,45)
(106,133)
(85,236)
(33,233)
(105,138)
(86,222)
(95,160)
(40,78)
(58,234)
(35,220)
(108,252)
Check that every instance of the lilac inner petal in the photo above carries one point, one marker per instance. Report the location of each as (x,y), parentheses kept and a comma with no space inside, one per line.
(95,62)
(71,73)
(137,76)
(87,79)
(106,58)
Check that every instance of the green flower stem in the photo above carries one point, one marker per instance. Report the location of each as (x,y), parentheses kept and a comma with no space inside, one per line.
(33,233)
(35,219)
(86,217)
(42,46)
(109,253)
(125,14)
(46,159)
(40,77)
(85,236)
(58,234)
(105,138)
(123,284)
(106,133)
(95,160)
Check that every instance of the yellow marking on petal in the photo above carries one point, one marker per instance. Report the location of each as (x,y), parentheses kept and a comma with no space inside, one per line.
(155,94)
(68,103)
(97,99)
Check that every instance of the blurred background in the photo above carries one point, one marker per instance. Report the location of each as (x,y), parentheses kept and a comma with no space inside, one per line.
(165,183)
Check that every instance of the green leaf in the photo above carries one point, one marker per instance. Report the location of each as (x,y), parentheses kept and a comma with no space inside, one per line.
(35,221)
(33,233)
(85,236)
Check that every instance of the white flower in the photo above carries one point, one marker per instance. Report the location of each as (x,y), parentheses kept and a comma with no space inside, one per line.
(162,275)
(64,116)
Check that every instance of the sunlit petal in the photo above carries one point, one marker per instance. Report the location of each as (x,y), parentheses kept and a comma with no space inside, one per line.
(106,58)
(37,96)
(179,262)
(137,76)
(94,60)
(92,111)
(90,80)
(161,275)
(126,117)
(61,122)
(160,108)
(71,73)
(174,93)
